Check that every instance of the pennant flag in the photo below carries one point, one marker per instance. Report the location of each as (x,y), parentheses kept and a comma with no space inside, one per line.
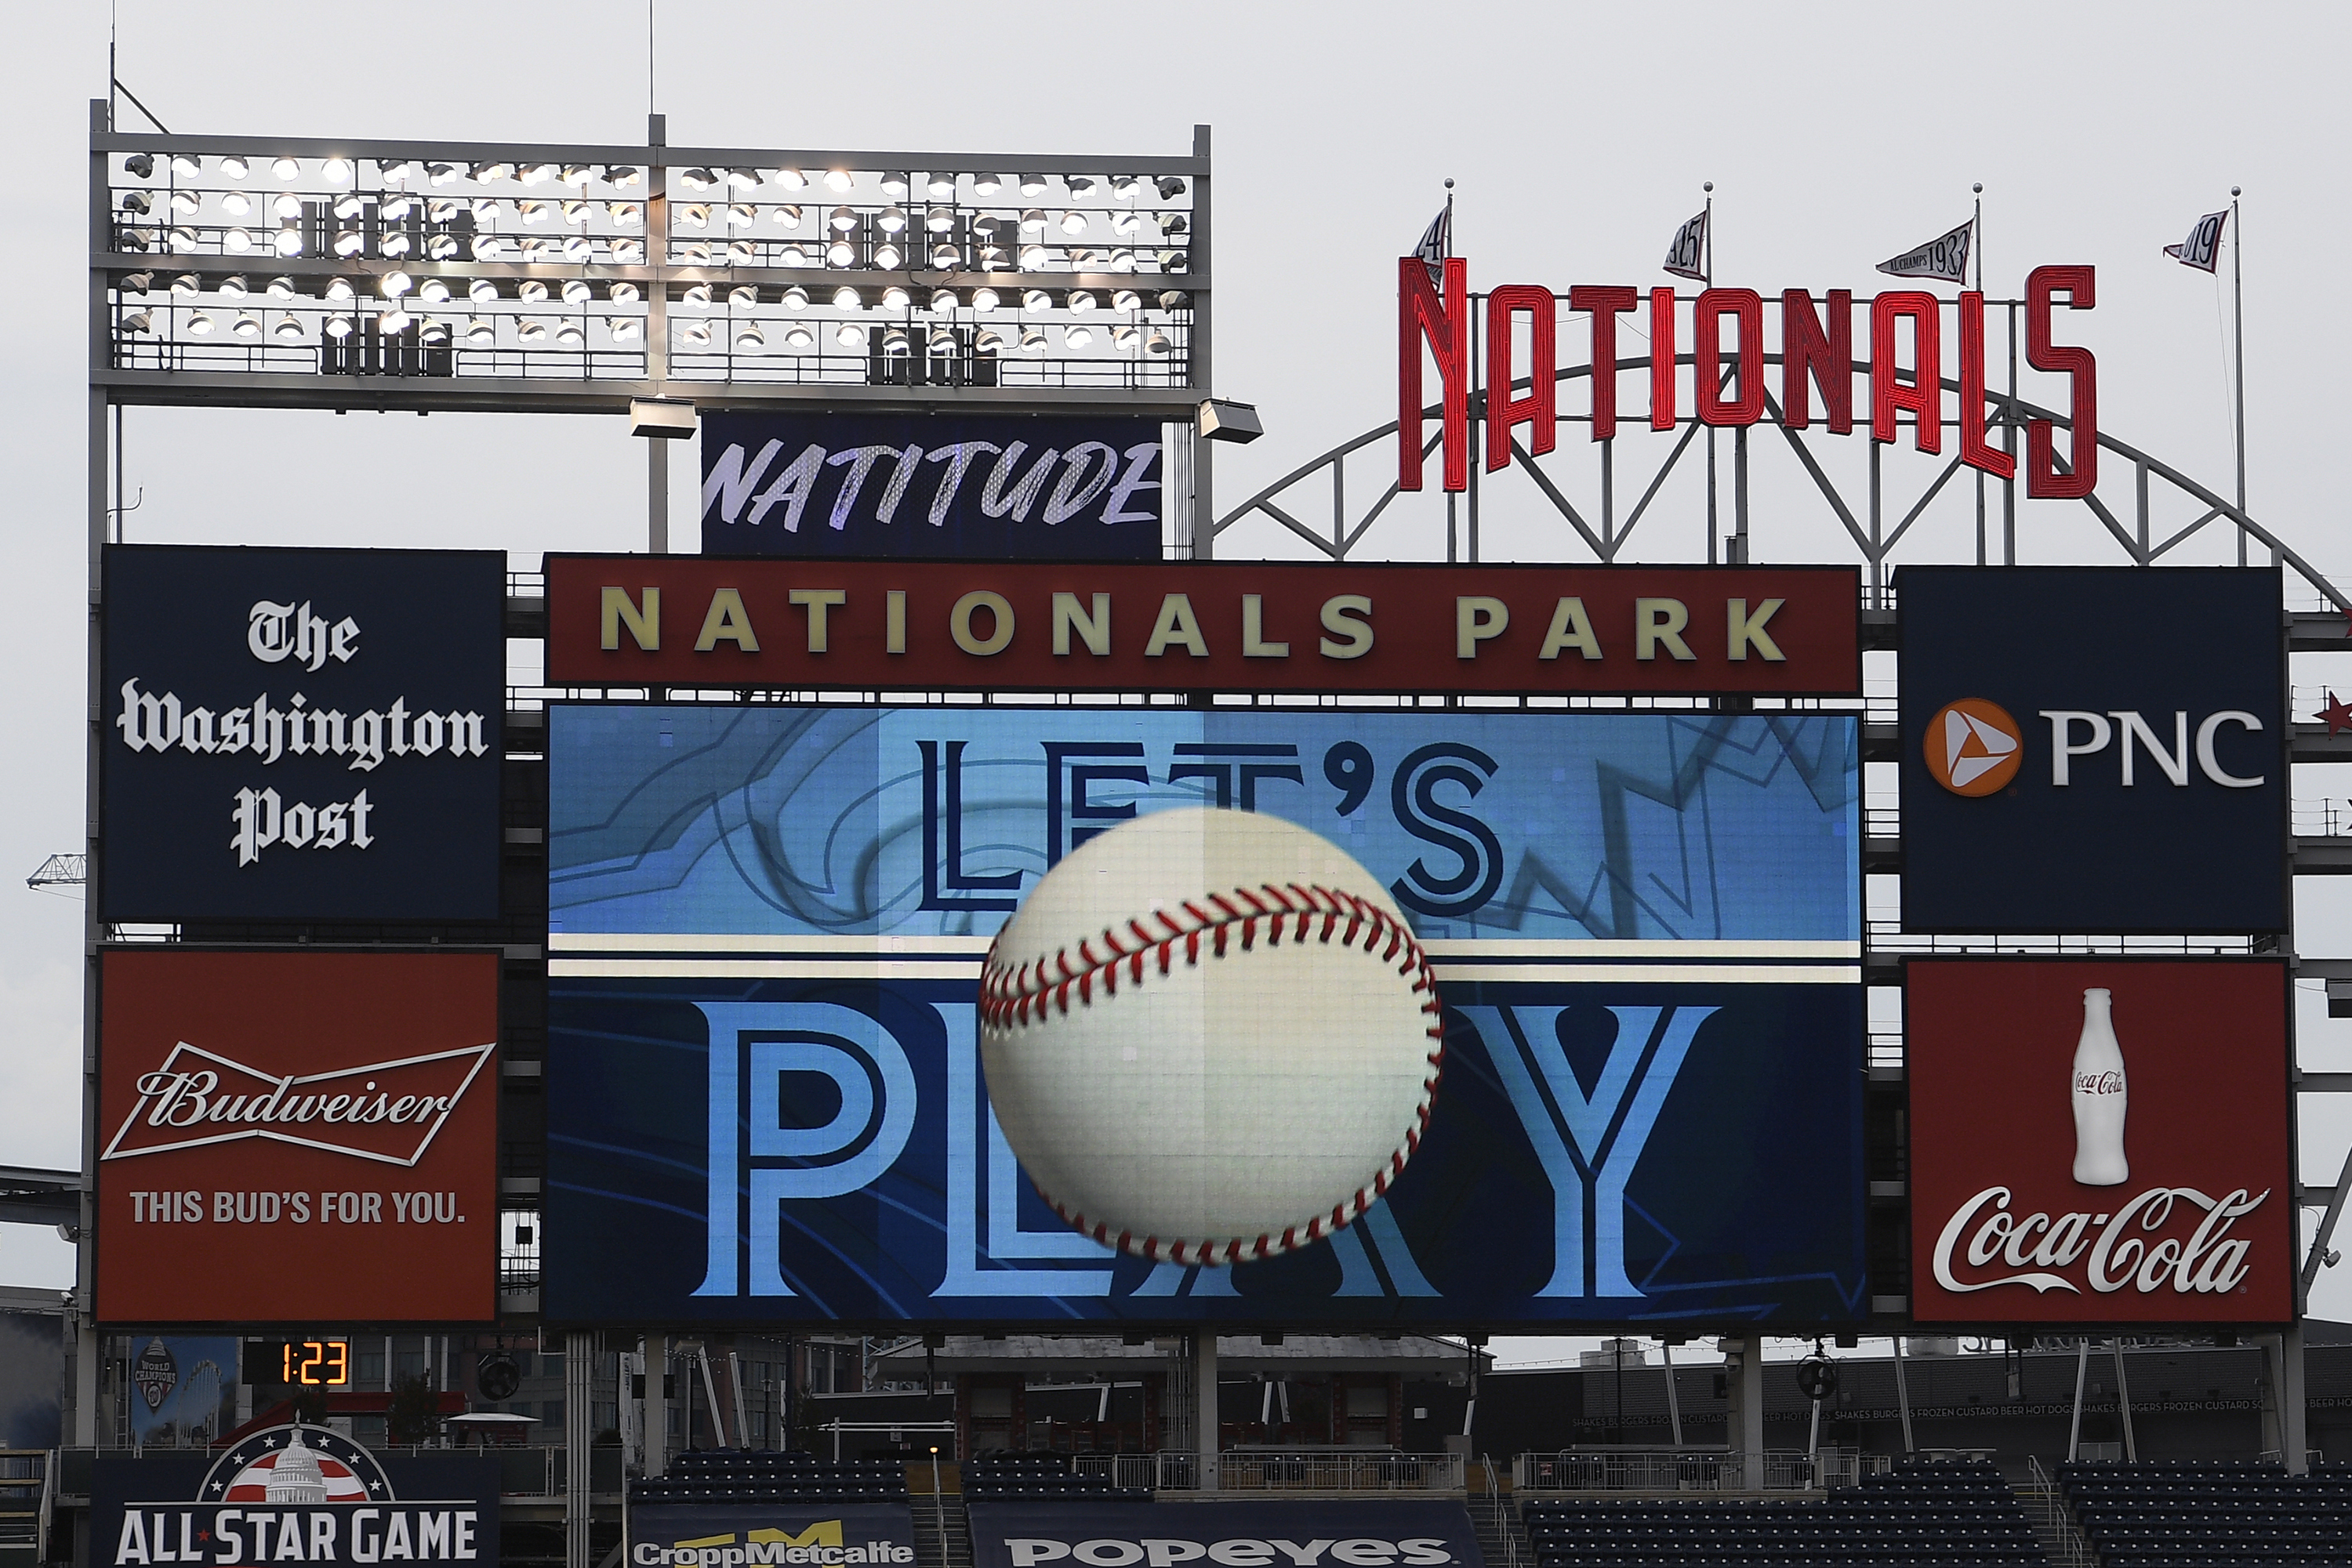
(1687,257)
(1944,257)
(2202,248)
(1437,243)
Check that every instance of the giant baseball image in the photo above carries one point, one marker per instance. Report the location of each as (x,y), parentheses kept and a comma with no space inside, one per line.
(1210,1037)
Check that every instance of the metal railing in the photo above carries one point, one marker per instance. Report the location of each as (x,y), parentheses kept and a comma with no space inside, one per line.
(1309,1470)
(2045,1505)
(1686,1471)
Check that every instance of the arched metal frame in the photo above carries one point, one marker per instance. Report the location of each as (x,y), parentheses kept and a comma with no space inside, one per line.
(2007,414)
(1605,538)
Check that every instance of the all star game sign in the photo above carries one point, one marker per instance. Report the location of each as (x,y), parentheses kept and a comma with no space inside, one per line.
(297,1493)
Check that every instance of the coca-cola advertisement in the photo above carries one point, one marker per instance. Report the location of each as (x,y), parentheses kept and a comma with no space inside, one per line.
(2100,1141)
(297,1137)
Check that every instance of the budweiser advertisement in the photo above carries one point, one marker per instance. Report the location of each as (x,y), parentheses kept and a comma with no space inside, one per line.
(297,1137)
(2100,1141)
(636,620)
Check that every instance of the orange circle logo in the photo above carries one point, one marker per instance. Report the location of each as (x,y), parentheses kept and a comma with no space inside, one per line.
(1973,747)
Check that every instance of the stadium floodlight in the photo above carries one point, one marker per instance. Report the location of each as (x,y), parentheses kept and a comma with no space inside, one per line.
(1220,419)
(563,231)
(896,341)
(1033,339)
(989,342)
(139,322)
(187,284)
(1036,299)
(1155,342)
(1124,337)
(1078,335)
(1169,187)
(749,338)
(1081,301)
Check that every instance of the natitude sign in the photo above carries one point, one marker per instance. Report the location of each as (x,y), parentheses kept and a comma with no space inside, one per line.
(631,620)
(2100,1141)
(969,487)
(1726,329)
(292,1137)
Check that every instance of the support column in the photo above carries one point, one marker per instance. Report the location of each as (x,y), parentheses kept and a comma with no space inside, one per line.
(579,1386)
(1903,1396)
(656,1420)
(657,496)
(1744,1428)
(2284,1353)
(2082,1371)
(1205,1405)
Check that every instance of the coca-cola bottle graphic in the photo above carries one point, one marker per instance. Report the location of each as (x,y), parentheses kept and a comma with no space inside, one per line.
(2099,1097)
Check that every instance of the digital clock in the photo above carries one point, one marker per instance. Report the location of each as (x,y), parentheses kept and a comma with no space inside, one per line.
(309,1364)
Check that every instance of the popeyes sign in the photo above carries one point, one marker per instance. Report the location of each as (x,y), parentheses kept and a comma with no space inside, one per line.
(1725,328)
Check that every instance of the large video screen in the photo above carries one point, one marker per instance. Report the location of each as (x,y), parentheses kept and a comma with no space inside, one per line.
(766,1096)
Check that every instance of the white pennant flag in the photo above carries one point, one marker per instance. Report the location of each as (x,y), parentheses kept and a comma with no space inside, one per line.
(2202,248)
(1944,257)
(1437,243)
(1687,257)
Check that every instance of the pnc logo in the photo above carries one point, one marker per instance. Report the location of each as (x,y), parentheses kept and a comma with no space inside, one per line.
(1973,747)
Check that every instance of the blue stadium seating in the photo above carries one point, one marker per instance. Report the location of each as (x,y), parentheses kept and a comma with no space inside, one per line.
(1037,1477)
(729,1475)
(1929,1514)
(2211,1513)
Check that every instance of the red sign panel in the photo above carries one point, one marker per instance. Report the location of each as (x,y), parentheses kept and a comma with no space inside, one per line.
(298,1137)
(630,620)
(2099,1142)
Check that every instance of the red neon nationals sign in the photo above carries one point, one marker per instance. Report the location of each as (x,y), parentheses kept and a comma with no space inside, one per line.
(1726,328)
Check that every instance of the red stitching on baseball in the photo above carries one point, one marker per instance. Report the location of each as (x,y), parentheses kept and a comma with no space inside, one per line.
(1006,998)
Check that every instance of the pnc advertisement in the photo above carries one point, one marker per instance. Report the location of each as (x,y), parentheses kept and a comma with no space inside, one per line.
(2100,1140)
(292,1494)
(2093,750)
(783,1084)
(298,735)
(297,1137)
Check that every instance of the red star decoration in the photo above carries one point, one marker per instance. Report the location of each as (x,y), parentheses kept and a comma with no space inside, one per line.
(2336,716)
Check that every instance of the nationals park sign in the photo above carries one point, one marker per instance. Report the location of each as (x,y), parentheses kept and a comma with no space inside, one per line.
(636,620)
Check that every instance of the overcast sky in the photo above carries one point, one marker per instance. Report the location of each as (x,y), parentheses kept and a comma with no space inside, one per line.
(1579,137)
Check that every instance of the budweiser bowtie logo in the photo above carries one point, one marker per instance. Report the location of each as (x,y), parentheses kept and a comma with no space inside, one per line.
(385,1110)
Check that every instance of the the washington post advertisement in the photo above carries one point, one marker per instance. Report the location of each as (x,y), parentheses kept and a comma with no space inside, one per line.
(871,1014)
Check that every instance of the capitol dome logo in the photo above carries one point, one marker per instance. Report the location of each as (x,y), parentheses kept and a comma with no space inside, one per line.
(296,1466)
